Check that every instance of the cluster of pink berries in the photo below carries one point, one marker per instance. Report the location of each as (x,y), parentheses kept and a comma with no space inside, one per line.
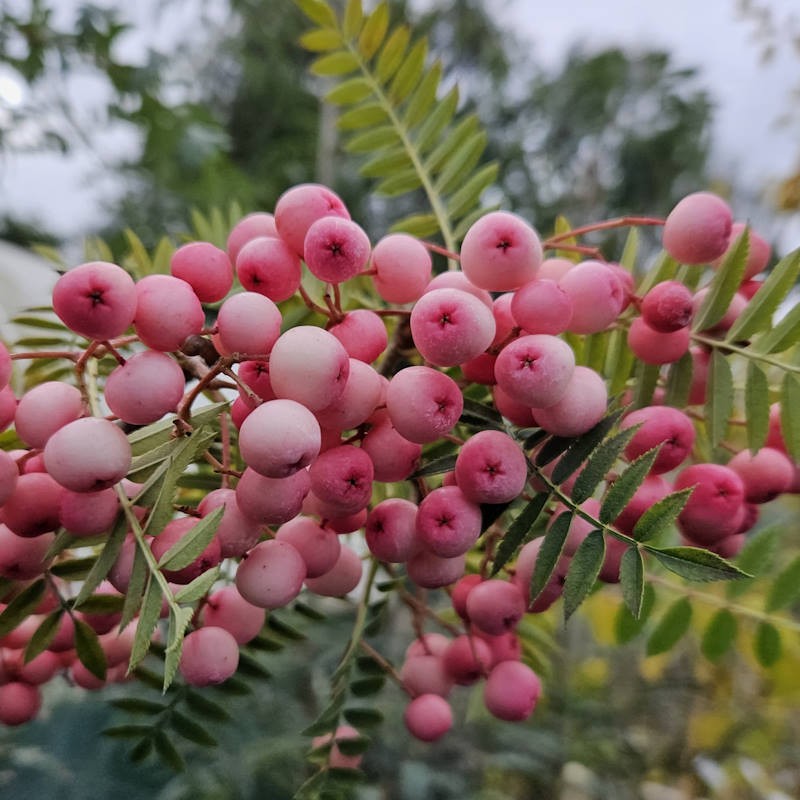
(324,414)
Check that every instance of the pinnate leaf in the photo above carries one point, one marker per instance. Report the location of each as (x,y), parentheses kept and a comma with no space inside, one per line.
(661,515)
(190,546)
(671,627)
(696,564)
(21,606)
(549,553)
(719,635)
(756,404)
(518,531)
(624,487)
(583,571)
(89,651)
(374,31)
(631,578)
(785,589)
(719,397)
(767,644)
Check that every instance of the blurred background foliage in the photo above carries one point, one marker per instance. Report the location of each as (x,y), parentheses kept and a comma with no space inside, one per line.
(231,116)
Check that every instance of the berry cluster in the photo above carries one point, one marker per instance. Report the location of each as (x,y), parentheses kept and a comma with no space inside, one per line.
(333,420)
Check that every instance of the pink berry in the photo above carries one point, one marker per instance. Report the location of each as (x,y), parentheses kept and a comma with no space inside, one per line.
(236,533)
(266,265)
(88,513)
(423,403)
(765,474)
(448,524)
(96,300)
(597,296)
(272,501)
(206,268)
(279,438)
(491,468)
(9,474)
(667,307)
(654,347)
(467,659)
(362,333)
(336,758)
(248,323)
(44,409)
(226,608)
(19,703)
(259,223)
(428,717)
(341,578)
(500,252)
(582,406)
(319,545)
(147,386)
(390,530)
(450,326)
(697,230)
(425,674)
(757,256)
(402,267)
(33,506)
(271,575)
(535,370)
(335,249)
(299,207)
(393,457)
(458,280)
(361,395)
(309,365)
(167,312)
(430,571)
(21,558)
(664,425)
(542,306)
(512,691)
(209,656)
(173,533)
(495,606)
(342,478)
(87,455)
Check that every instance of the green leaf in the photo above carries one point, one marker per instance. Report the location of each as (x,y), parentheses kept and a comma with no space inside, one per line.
(696,564)
(39,322)
(186,452)
(353,19)
(724,284)
(340,62)
(785,589)
(364,687)
(672,626)
(626,626)
(141,750)
(363,717)
(756,404)
(103,604)
(43,635)
(461,162)
(583,571)
(599,463)
(145,439)
(719,398)
(198,588)
(276,624)
(790,414)
(318,11)
(549,553)
(386,163)
(89,651)
(661,515)
(138,705)
(624,487)
(138,253)
(399,183)
(252,668)
(151,612)
(448,144)
(127,731)
(646,379)
(420,225)
(409,73)
(518,531)
(663,269)
(630,250)
(468,195)
(757,556)
(631,578)
(619,362)
(191,730)
(767,645)
(437,466)
(190,546)
(437,121)
(136,587)
(424,96)
(349,92)
(481,415)
(376,138)
(179,620)
(679,382)
(21,606)
(785,334)
(321,40)
(392,53)
(758,313)
(73,569)
(580,448)
(164,747)
(199,704)
(353,745)
(364,116)
(719,635)
(374,31)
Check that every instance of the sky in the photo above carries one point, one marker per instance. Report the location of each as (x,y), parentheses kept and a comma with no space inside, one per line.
(749,145)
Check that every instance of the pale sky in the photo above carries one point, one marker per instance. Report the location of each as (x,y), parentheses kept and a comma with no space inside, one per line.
(749,145)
